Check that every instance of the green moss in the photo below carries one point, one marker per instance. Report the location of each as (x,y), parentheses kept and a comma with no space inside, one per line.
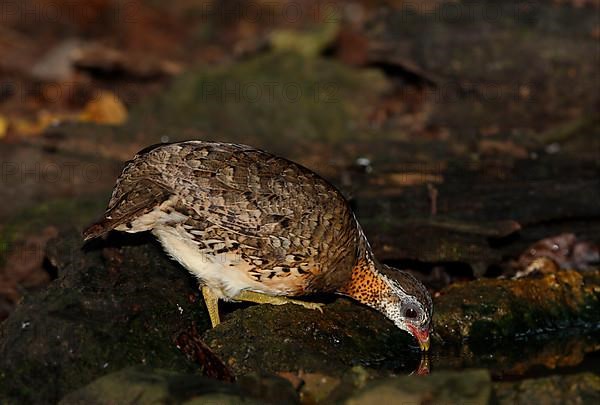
(275,99)
(488,309)
(309,42)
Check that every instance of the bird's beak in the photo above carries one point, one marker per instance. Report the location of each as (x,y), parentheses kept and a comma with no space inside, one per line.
(422,336)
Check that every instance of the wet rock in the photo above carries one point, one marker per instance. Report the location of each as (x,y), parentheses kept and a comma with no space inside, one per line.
(23,239)
(494,309)
(563,251)
(472,387)
(290,338)
(582,388)
(144,385)
(91,321)
(35,176)
(121,302)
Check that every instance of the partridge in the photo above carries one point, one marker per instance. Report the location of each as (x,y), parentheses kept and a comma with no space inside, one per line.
(255,227)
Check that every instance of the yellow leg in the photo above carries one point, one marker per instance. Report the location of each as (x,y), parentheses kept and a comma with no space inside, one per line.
(212,304)
(260,298)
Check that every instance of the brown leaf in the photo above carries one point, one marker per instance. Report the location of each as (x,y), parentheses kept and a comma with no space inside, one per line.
(565,250)
(3,127)
(23,265)
(190,343)
(107,108)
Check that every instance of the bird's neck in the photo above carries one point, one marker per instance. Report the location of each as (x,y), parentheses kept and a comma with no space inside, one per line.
(366,284)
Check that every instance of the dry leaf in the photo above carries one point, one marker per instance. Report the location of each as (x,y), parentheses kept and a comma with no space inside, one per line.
(43,121)
(3,126)
(107,109)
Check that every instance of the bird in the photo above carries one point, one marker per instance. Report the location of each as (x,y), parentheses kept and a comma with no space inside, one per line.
(252,226)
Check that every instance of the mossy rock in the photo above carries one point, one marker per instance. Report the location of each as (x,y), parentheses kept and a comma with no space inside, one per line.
(275,100)
(291,338)
(487,309)
(108,309)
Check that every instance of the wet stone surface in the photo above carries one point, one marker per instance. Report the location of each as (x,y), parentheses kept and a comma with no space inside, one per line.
(486,309)
(290,338)
(106,310)
(146,385)
(121,302)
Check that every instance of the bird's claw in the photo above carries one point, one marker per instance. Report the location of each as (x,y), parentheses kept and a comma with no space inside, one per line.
(311,305)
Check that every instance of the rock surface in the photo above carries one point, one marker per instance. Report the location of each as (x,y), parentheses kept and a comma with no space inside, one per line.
(145,385)
(290,338)
(581,388)
(487,309)
(470,387)
(122,302)
(107,309)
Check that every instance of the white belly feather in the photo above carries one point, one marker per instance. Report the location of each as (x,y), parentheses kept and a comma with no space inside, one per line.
(226,274)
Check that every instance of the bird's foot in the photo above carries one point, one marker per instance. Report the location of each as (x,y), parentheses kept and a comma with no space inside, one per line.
(212,304)
(259,298)
(309,305)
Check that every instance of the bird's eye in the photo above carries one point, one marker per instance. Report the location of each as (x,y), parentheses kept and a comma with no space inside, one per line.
(410,313)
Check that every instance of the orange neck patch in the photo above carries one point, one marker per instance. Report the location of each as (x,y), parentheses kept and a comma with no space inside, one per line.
(366,285)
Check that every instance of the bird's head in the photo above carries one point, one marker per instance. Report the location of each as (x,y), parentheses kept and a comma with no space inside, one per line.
(407,303)
(394,293)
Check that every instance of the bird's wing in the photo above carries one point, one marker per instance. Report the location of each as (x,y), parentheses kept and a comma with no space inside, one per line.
(274,209)
(253,193)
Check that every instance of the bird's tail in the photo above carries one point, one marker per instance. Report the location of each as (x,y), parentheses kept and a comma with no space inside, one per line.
(97,229)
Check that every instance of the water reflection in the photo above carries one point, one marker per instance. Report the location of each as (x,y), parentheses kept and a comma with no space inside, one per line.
(423,368)
(523,358)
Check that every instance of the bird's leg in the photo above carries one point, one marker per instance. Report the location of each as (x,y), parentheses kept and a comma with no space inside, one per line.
(212,304)
(260,298)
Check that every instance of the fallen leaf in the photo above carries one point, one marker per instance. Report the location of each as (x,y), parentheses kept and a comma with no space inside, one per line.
(44,120)
(565,250)
(23,266)
(190,343)
(317,387)
(3,127)
(107,109)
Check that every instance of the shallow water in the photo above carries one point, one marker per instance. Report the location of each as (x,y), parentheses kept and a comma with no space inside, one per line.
(564,352)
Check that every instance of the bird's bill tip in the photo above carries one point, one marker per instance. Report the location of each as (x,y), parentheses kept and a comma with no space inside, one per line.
(422,336)
(424,344)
